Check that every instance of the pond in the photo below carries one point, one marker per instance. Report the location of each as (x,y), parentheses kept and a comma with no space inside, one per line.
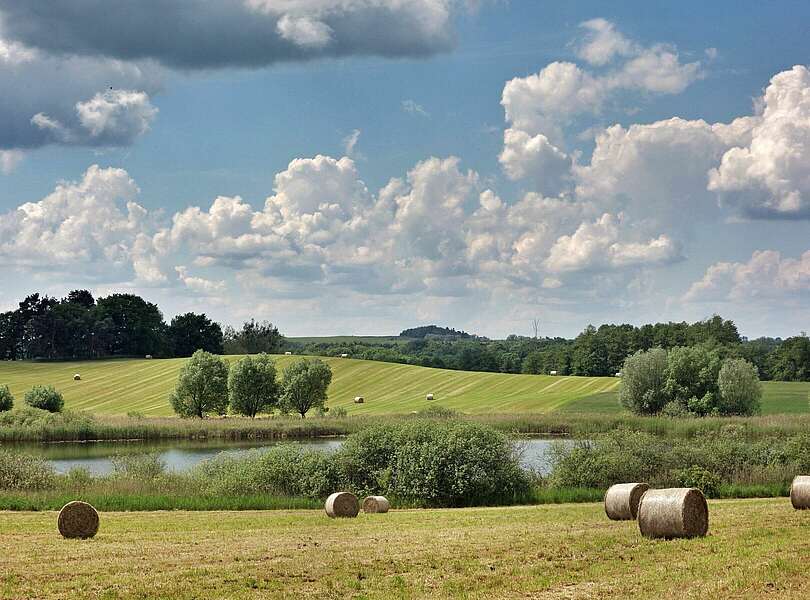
(181,455)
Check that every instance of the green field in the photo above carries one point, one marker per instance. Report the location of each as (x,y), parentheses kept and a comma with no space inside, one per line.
(755,549)
(121,386)
(137,385)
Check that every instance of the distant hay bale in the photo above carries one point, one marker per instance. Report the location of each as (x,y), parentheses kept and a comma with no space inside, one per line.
(148,356)
(344,355)
(77,377)
(342,504)
(288,353)
(673,513)
(429,397)
(376,504)
(359,400)
(77,520)
(619,374)
(621,500)
(552,372)
(800,492)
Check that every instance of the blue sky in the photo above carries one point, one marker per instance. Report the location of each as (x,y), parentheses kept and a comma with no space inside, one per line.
(462,200)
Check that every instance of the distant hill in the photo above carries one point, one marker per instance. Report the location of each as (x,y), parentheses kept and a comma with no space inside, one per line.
(433,331)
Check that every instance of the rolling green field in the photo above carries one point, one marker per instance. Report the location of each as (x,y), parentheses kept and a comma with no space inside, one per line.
(755,549)
(121,386)
(131,385)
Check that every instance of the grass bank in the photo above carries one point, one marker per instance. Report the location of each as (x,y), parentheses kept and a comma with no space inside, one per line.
(36,426)
(540,552)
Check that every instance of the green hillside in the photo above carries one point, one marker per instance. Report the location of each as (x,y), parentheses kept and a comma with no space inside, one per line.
(122,386)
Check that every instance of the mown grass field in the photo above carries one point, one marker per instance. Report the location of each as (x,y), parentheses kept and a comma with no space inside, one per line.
(755,549)
(131,385)
(122,386)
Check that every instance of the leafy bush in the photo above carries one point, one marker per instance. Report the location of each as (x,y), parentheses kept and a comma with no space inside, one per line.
(689,381)
(139,467)
(23,472)
(202,386)
(429,463)
(740,390)
(45,398)
(438,412)
(6,399)
(287,469)
(643,378)
(700,478)
(726,455)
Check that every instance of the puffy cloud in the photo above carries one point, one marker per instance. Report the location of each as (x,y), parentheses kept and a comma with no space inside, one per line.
(94,221)
(769,176)
(114,118)
(659,172)
(534,156)
(766,275)
(69,100)
(603,42)
(219,33)
(304,31)
(598,245)
(543,102)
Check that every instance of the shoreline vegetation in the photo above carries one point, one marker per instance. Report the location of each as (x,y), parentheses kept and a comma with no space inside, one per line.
(443,461)
(31,425)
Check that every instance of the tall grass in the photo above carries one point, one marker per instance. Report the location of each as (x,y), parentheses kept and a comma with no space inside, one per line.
(31,425)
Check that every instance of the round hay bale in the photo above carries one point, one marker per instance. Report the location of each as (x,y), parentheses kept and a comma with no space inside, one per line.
(376,504)
(78,520)
(359,400)
(429,397)
(673,513)
(621,500)
(77,377)
(800,492)
(342,504)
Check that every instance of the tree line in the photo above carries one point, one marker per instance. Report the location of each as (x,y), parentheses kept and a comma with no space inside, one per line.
(80,326)
(596,352)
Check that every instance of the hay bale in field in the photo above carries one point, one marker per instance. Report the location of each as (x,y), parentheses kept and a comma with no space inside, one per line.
(77,377)
(78,520)
(359,400)
(429,397)
(288,353)
(148,357)
(344,355)
(673,513)
(342,504)
(800,492)
(621,500)
(376,504)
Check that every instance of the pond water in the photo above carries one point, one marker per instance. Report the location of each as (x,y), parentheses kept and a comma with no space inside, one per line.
(181,455)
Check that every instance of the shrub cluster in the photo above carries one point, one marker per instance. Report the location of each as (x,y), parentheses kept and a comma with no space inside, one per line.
(689,380)
(6,399)
(23,472)
(420,463)
(45,397)
(706,461)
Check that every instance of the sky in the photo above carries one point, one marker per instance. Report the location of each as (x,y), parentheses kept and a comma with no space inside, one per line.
(363,166)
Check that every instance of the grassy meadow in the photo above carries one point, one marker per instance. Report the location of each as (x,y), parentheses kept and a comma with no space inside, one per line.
(137,385)
(554,551)
(118,387)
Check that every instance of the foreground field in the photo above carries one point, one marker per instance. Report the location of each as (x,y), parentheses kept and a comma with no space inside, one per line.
(122,386)
(755,548)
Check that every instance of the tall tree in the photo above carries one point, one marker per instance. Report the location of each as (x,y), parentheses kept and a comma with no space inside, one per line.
(305,385)
(191,332)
